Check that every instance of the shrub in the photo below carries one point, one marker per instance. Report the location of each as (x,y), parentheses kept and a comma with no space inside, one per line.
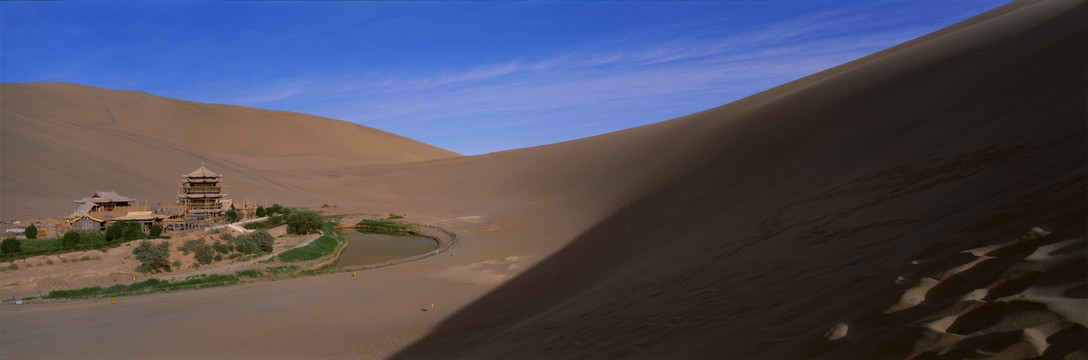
(264,240)
(155,231)
(10,246)
(261,212)
(275,209)
(31,232)
(202,252)
(243,245)
(153,258)
(222,247)
(304,222)
(70,239)
(90,239)
(231,215)
(125,230)
(256,242)
(393,216)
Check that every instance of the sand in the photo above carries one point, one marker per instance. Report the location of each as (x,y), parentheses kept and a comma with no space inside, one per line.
(923,202)
(65,141)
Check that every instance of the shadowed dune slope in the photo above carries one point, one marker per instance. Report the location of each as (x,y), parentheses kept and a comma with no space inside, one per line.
(924,202)
(63,141)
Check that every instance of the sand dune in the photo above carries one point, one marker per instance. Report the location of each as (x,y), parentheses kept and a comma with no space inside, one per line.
(815,197)
(923,202)
(63,141)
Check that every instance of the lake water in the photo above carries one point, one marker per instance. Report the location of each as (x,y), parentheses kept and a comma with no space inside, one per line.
(364,249)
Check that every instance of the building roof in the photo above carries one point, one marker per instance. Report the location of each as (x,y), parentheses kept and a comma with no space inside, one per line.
(83,209)
(104,197)
(89,216)
(201,196)
(202,172)
(139,215)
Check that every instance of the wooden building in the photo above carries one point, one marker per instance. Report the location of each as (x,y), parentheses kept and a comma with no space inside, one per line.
(102,201)
(203,194)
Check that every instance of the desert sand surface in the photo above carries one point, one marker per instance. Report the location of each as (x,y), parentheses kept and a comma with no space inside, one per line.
(927,201)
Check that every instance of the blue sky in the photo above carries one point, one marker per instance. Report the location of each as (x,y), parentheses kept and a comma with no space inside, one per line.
(471,77)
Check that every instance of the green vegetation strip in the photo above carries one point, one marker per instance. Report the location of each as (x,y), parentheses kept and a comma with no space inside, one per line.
(385,227)
(320,247)
(54,246)
(144,287)
(151,286)
(272,273)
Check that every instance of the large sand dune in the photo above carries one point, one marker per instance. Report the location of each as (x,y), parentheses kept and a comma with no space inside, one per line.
(817,206)
(927,201)
(63,141)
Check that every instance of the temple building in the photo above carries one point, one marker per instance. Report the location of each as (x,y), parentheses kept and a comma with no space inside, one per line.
(102,201)
(102,208)
(203,194)
(201,202)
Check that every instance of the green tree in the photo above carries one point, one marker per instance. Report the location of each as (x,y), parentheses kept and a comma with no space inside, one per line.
(70,239)
(125,230)
(231,215)
(255,242)
(31,232)
(263,239)
(10,246)
(304,221)
(261,212)
(154,232)
(92,239)
(275,209)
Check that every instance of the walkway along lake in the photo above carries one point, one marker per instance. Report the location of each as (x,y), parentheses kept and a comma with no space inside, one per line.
(366,249)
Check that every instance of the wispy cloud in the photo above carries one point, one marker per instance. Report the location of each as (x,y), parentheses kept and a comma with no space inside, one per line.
(581,90)
(697,73)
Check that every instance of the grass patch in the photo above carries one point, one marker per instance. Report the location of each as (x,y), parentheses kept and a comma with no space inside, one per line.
(384,227)
(252,273)
(143,287)
(273,221)
(320,247)
(282,270)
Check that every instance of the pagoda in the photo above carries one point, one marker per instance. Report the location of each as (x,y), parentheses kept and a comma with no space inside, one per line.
(203,194)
